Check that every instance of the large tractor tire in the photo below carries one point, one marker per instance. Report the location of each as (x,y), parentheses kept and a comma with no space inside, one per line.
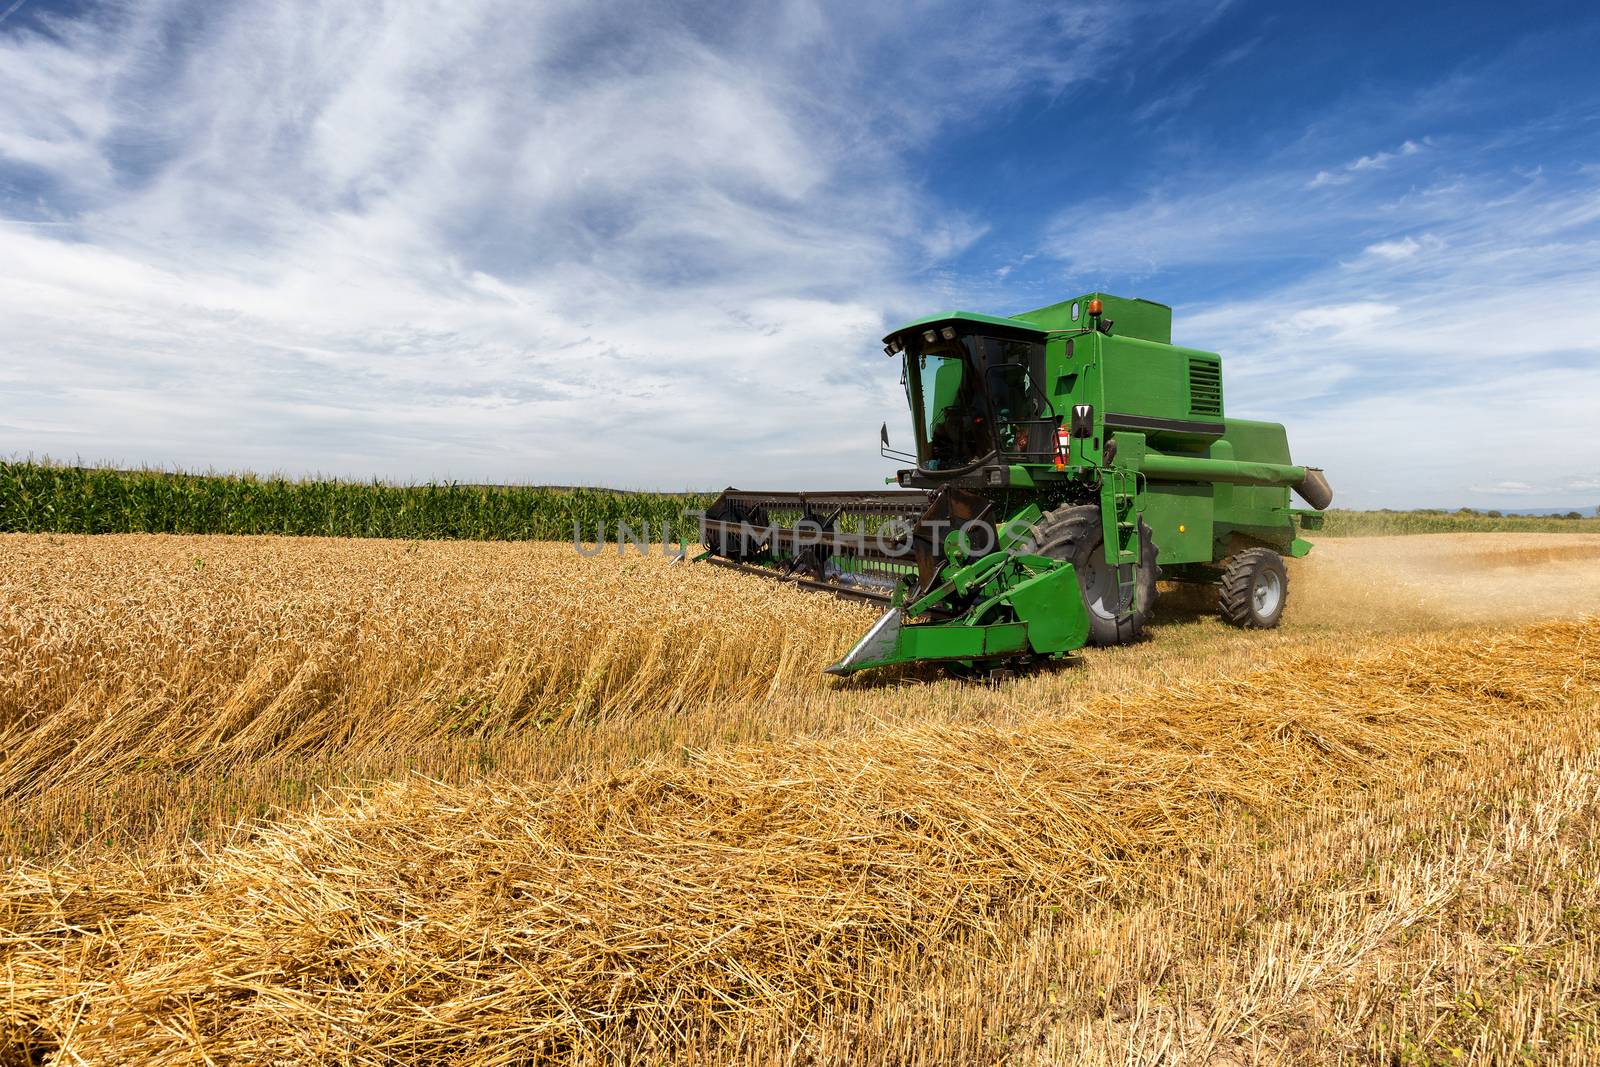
(1255,588)
(1074,534)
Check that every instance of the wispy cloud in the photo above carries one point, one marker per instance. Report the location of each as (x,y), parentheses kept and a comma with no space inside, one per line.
(1178,97)
(1398,328)
(1507,489)
(1352,169)
(1402,247)
(1267,210)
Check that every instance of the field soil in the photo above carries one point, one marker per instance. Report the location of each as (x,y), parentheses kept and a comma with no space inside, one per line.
(329,801)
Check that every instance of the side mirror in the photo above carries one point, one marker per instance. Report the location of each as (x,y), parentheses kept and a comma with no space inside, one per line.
(1082,420)
(888,453)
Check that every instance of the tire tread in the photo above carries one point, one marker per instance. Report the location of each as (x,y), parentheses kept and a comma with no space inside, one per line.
(1234,601)
(1062,532)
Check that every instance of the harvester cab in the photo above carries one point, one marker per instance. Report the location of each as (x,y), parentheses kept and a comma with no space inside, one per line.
(1064,459)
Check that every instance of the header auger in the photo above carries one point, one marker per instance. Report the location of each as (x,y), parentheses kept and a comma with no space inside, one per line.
(1065,459)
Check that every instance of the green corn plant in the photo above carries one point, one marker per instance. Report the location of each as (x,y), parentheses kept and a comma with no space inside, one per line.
(38,496)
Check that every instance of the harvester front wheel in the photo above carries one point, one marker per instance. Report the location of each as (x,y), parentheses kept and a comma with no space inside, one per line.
(1254,589)
(1074,534)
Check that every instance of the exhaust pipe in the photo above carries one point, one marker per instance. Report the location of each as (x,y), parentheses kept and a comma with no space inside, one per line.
(1314,489)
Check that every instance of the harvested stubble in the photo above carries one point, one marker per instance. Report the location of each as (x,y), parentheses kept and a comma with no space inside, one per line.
(753,890)
(163,689)
(119,655)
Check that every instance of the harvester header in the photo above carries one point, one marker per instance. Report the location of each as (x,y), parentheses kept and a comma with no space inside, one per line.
(1062,459)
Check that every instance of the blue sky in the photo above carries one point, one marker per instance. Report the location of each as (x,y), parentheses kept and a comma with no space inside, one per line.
(653,245)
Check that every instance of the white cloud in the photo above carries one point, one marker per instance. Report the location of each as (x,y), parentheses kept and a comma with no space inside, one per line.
(571,241)
(1507,489)
(1417,248)
(1380,160)
(1375,161)
(1404,248)
(1332,319)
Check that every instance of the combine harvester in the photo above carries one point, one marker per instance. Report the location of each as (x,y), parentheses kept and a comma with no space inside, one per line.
(1065,459)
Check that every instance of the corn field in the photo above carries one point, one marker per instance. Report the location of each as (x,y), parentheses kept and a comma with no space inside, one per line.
(51,498)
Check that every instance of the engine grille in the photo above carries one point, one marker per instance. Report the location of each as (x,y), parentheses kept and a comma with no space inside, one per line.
(1205,387)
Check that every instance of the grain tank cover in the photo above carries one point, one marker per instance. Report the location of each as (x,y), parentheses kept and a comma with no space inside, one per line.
(1130,316)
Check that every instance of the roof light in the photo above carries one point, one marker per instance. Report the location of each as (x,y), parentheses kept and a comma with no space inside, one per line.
(930,336)
(948,333)
(888,350)
(1094,306)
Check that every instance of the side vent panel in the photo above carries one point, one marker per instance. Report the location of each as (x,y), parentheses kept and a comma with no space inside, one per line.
(1205,387)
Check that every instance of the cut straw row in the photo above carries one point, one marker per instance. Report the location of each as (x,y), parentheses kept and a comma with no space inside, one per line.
(641,914)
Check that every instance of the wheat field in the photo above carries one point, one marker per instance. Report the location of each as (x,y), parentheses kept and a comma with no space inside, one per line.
(275,800)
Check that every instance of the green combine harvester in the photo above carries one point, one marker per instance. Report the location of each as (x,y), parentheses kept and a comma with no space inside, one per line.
(1065,459)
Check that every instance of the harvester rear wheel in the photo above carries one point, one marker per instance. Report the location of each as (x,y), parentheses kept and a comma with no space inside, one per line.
(1255,587)
(1074,534)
